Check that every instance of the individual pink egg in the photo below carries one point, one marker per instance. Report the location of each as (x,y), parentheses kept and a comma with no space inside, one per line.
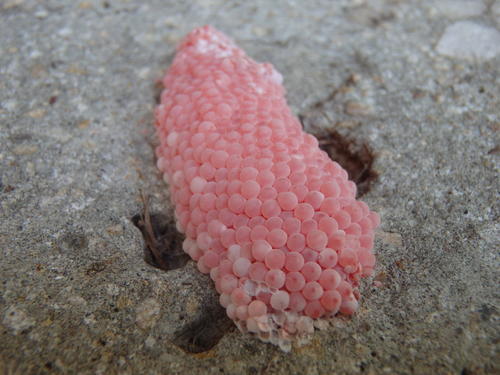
(327,258)
(260,248)
(304,211)
(328,225)
(329,279)
(280,300)
(228,283)
(331,300)
(242,312)
(287,200)
(270,208)
(257,271)
(314,198)
(241,267)
(275,278)
(236,203)
(240,297)
(257,308)
(295,281)
(275,259)
(312,290)
(316,240)
(250,189)
(259,232)
(277,238)
(291,225)
(349,260)
(311,271)
(294,261)
(297,302)
(314,309)
(274,223)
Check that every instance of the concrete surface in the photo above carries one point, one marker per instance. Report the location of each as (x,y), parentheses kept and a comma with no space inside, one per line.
(77,91)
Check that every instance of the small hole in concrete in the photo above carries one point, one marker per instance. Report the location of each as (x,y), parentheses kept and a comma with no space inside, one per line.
(163,242)
(205,331)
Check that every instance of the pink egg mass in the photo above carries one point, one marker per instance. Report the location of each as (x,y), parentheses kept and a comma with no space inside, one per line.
(264,210)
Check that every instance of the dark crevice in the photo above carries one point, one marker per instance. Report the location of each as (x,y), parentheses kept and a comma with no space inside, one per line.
(205,331)
(163,243)
(157,90)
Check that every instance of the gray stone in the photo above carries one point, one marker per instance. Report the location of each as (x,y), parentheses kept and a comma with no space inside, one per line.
(77,94)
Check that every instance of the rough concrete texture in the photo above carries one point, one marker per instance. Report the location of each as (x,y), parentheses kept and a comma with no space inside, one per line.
(77,92)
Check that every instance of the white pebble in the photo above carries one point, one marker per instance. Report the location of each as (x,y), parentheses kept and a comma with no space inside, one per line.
(469,40)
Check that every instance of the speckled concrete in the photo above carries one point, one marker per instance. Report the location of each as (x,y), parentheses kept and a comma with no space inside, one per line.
(77,91)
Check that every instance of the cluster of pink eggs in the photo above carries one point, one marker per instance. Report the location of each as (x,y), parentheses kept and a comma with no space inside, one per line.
(266,212)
